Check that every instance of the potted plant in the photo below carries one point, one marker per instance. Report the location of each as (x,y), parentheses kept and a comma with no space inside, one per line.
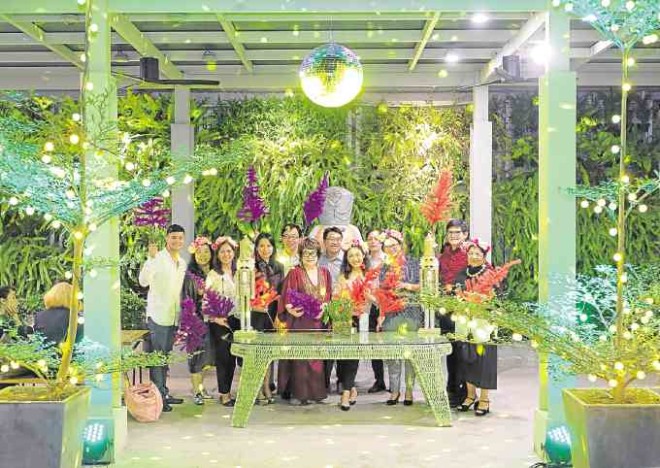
(339,314)
(608,327)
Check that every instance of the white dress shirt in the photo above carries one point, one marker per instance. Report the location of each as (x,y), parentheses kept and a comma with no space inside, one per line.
(164,278)
(224,285)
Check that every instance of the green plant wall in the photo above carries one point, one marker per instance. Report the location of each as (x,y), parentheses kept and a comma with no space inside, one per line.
(387,156)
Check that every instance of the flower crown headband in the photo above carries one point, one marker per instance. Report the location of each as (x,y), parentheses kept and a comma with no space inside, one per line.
(359,244)
(221,240)
(485,248)
(394,234)
(199,242)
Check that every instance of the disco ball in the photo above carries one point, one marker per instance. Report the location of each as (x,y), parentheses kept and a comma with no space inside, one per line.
(331,75)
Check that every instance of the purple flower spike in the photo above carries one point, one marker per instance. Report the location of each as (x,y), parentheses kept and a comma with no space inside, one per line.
(313,206)
(215,305)
(254,207)
(152,214)
(192,329)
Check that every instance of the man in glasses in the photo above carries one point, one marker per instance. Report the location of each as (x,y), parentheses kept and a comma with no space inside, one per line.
(332,258)
(453,259)
(288,255)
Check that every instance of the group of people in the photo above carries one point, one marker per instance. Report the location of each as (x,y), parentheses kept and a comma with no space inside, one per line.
(324,271)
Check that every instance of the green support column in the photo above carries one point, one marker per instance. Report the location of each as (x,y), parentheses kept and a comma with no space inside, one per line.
(101,288)
(557,229)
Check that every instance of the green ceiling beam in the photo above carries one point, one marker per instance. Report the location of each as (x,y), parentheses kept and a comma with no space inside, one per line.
(232,36)
(144,46)
(426,35)
(268,6)
(528,30)
(38,35)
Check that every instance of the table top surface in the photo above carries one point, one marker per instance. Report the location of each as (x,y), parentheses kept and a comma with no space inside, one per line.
(316,338)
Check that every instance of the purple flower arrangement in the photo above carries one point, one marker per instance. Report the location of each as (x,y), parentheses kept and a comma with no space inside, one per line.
(313,206)
(310,305)
(192,329)
(254,207)
(216,305)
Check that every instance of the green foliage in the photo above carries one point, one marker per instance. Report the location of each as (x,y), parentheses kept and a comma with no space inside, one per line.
(133,310)
(515,189)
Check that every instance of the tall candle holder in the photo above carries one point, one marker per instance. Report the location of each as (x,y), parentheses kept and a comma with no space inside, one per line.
(245,285)
(429,282)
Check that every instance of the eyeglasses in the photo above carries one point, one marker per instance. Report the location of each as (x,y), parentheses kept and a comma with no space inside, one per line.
(309,254)
(290,237)
(334,238)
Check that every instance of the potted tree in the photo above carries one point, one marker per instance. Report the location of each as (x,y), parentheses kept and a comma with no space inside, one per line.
(608,328)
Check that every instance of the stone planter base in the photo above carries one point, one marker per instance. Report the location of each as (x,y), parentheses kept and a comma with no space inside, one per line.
(611,435)
(44,434)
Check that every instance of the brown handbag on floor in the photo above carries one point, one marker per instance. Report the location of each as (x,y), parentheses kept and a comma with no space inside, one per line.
(143,401)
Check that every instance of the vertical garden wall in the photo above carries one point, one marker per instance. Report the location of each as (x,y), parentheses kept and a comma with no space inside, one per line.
(387,156)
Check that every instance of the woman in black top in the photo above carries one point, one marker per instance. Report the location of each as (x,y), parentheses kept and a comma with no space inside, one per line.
(272,272)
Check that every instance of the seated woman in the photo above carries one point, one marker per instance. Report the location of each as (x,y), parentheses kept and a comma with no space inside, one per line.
(305,380)
(53,322)
(477,363)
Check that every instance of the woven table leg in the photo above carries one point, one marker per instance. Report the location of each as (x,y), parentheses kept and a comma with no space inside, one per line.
(252,378)
(429,368)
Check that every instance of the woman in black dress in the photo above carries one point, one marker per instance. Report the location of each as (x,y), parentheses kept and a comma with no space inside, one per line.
(477,362)
(263,317)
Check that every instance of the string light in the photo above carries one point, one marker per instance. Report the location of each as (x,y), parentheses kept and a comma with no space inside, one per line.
(56,224)
(46,159)
(616,119)
(618,366)
(598,209)
(642,208)
(49,146)
(584,204)
(612,383)
(592,378)
(613,231)
(627,87)
(630,61)
(632,196)
(630,5)
(650,39)
(641,375)
(612,206)
(601,202)
(605,3)
(625,179)
(29,211)
(74,139)
(13,201)
(617,257)
(615,149)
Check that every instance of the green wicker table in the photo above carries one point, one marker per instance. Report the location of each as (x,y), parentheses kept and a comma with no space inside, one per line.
(425,352)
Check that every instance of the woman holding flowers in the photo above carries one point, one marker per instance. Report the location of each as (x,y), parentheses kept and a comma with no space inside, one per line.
(398,275)
(194,285)
(477,363)
(219,307)
(353,285)
(269,277)
(306,288)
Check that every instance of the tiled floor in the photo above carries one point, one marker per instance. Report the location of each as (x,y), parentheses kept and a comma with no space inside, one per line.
(369,435)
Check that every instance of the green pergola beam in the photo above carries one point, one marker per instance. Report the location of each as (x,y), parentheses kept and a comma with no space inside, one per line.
(426,35)
(136,38)
(37,34)
(232,36)
(268,6)
(528,30)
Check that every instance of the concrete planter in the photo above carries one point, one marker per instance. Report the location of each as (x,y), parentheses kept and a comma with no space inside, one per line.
(611,435)
(44,434)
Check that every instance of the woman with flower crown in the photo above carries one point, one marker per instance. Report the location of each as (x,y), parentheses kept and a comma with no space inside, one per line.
(199,266)
(477,363)
(400,274)
(221,280)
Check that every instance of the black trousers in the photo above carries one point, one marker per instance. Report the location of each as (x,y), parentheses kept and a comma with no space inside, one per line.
(346,371)
(376,364)
(455,386)
(225,362)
